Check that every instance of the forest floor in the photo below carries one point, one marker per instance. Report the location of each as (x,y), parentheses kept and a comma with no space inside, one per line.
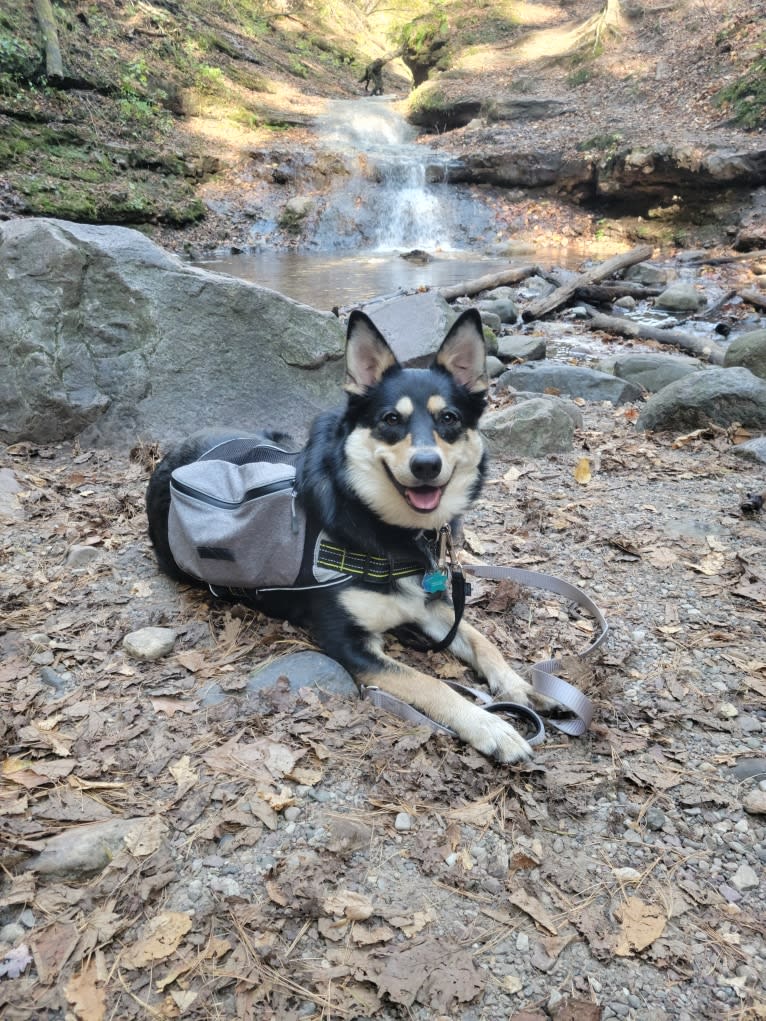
(305,855)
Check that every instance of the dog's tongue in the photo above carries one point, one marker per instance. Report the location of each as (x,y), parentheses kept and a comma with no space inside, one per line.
(424,498)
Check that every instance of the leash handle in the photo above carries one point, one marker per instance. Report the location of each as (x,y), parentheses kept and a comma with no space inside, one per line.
(543,675)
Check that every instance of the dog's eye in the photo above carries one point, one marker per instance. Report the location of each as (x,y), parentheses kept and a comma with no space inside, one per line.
(392,418)
(447,417)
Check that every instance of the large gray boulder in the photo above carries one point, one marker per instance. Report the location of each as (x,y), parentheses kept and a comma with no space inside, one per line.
(104,334)
(533,428)
(573,380)
(652,372)
(749,351)
(414,324)
(718,396)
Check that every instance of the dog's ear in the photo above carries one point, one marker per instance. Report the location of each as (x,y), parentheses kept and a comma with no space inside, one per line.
(367,354)
(464,354)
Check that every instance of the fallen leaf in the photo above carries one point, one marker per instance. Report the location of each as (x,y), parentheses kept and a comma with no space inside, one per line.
(171,706)
(641,925)
(582,472)
(348,904)
(87,996)
(531,906)
(161,937)
(184,775)
(145,838)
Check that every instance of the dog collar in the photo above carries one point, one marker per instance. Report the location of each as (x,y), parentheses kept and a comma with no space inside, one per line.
(378,570)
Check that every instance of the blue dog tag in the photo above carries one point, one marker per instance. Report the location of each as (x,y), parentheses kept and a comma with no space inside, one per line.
(436,581)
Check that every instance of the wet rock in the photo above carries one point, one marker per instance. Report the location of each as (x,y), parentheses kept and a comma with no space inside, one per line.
(150,643)
(717,395)
(749,351)
(574,380)
(654,372)
(680,297)
(533,428)
(521,349)
(490,319)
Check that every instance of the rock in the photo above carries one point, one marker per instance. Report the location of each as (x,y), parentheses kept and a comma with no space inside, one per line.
(745,878)
(574,380)
(150,643)
(521,349)
(495,367)
(123,340)
(523,108)
(82,850)
(745,769)
(626,301)
(403,822)
(490,319)
(533,428)
(647,274)
(503,308)
(654,372)
(11,508)
(80,557)
(752,450)
(303,670)
(413,324)
(754,802)
(749,351)
(680,297)
(717,395)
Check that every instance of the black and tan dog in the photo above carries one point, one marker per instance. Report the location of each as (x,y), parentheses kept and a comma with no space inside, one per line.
(381,477)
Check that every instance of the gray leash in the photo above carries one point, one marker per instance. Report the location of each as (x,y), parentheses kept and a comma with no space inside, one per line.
(543,675)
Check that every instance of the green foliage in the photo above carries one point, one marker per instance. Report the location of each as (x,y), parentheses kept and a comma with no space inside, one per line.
(747,97)
(210,79)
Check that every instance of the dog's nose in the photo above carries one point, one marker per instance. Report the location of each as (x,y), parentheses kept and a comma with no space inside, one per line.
(426,465)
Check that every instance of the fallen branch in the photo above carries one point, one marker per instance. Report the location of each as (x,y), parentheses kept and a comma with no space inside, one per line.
(544,306)
(54,66)
(702,346)
(468,288)
(754,298)
(601,294)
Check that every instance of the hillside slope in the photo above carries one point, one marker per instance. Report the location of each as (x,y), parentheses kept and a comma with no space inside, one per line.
(167,109)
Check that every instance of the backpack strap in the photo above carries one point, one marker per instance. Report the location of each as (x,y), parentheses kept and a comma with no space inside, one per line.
(247,450)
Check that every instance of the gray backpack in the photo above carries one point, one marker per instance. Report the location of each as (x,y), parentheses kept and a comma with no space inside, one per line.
(234,522)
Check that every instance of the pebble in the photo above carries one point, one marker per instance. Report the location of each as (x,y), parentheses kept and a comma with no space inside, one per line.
(150,643)
(745,878)
(754,802)
(80,557)
(403,822)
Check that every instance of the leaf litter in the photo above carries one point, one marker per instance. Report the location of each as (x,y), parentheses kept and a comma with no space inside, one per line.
(167,855)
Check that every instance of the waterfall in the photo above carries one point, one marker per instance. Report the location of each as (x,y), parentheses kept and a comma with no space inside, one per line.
(396,195)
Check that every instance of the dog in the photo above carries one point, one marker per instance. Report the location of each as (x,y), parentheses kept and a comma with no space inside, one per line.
(381,476)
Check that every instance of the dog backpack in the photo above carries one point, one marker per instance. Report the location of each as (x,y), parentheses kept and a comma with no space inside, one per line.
(234,522)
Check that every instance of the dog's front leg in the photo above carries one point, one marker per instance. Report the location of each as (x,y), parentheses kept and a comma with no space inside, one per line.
(351,633)
(481,655)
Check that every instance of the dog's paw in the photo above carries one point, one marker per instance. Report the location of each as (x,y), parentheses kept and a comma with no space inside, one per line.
(511,687)
(492,736)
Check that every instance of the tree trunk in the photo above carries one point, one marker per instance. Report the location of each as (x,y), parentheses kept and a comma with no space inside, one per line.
(602,294)
(544,306)
(468,288)
(54,67)
(702,346)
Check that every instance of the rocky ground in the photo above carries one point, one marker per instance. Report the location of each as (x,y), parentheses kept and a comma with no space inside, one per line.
(178,844)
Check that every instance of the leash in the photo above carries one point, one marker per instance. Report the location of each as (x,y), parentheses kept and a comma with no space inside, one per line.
(543,675)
